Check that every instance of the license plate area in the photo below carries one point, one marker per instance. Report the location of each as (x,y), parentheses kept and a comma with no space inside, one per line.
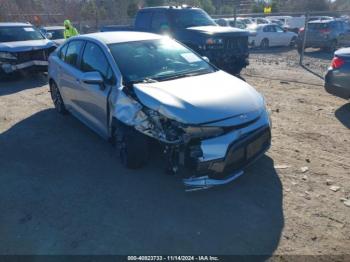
(242,153)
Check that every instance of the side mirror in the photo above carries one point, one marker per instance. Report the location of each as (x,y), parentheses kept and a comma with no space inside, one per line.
(93,78)
(48,35)
(206,59)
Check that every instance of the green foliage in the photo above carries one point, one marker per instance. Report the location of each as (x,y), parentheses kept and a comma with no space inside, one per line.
(208,6)
(154,2)
(93,9)
(226,9)
(133,7)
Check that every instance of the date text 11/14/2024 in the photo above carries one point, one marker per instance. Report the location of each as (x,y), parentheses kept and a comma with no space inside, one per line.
(173,258)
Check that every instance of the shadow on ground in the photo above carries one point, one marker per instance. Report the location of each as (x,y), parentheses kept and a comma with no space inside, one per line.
(62,191)
(343,115)
(20,82)
(319,54)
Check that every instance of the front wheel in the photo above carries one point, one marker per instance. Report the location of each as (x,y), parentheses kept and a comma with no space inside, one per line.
(132,147)
(265,43)
(300,48)
(333,46)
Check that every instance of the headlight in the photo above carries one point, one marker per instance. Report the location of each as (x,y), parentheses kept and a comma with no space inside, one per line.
(7,56)
(215,41)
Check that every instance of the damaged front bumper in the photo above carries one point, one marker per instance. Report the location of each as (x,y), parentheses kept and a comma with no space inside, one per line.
(225,157)
(11,68)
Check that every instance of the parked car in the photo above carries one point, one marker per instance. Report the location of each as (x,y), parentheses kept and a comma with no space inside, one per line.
(226,47)
(320,18)
(230,22)
(327,34)
(338,75)
(260,20)
(132,87)
(54,33)
(269,35)
(293,24)
(22,47)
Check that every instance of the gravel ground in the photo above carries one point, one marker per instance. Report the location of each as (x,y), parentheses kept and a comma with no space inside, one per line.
(62,190)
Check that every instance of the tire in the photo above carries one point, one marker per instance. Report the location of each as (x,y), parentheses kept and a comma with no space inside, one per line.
(132,146)
(333,47)
(300,48)
(265,43)
(57,99)
(293,41)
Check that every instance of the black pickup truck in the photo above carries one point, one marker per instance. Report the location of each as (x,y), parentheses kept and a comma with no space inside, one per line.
(226,47)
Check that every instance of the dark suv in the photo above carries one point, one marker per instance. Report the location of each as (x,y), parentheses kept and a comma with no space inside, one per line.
(226,47)
(325,34)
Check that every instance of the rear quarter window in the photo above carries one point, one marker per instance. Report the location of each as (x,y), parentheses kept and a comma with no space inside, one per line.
(73,52)
(62,52)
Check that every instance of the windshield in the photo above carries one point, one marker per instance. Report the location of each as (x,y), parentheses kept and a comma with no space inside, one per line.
(190,18)
(56,34)
(13,34)
(157,60)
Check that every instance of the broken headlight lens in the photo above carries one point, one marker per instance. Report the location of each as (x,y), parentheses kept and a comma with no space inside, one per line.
(7,56)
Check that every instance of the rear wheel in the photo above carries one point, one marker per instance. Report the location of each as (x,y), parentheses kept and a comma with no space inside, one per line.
(132,147)
(57,99)
(293,42)
(333,46)
(300,48)
(265,43)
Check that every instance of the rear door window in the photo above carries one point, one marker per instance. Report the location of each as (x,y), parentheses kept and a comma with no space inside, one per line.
(73,52)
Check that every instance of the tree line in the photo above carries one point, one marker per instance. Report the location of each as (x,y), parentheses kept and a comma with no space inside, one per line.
(16,10)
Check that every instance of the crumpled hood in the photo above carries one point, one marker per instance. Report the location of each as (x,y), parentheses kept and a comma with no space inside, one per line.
(218,30)
(202,99)
(23,46)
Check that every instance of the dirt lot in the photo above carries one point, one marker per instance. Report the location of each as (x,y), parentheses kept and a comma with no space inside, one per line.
(62,190)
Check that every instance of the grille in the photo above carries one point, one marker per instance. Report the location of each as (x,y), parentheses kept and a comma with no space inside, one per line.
(237,43)
(40,55)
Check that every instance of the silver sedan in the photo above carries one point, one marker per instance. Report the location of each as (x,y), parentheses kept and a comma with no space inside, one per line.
(133,88)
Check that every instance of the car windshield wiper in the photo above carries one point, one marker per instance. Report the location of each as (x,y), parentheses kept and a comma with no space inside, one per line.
(141,81)
(188,74)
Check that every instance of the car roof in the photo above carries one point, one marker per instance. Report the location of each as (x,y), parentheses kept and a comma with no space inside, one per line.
(53,27)
(14,24)
(321,21)
(120,37)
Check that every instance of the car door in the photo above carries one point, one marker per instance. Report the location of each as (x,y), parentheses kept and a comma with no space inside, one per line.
(282,37)
(270,34)
(69,72)
(93,98)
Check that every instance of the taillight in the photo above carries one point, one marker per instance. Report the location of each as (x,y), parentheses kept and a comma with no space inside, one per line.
(337,62)
(301,30)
